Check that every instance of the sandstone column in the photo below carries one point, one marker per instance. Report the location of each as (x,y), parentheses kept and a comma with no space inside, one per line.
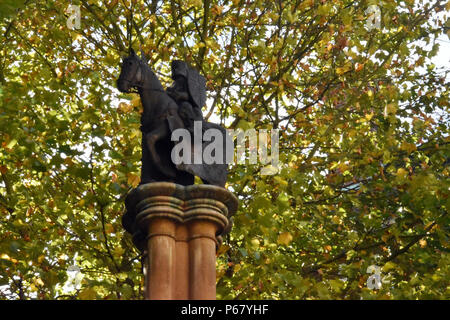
(182,263)
(179,227)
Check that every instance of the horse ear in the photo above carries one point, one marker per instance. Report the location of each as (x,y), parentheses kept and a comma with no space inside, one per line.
(143,57)
(132,52)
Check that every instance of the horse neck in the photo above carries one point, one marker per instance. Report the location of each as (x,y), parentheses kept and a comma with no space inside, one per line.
(151,90)
(150,80)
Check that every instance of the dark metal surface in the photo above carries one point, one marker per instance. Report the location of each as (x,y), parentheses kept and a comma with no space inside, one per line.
(165,111)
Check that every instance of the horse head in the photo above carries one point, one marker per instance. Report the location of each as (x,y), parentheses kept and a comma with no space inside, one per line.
(135,73)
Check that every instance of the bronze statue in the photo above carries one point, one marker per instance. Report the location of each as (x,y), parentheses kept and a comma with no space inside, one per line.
(164,112)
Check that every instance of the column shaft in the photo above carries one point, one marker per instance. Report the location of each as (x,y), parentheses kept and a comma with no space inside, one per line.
(202,258)
(161,264)
(182,263)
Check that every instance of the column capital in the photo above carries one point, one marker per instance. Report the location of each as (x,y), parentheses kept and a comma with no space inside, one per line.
(179,203)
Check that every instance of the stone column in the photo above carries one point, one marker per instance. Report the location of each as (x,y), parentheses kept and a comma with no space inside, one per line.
(179,227)
(182,265)
(160,282)
(202,257)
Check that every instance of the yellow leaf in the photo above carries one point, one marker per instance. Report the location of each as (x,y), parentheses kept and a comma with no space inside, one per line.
(195,3)
(6,257)
(391,108)
(408,147)
(136,102)
(134,133)
(41,258)
(281,181)
(389,266)
(343,167)
(401,173)
(199,45)
(369,116)
(87,294)
(336,220)
(342,70)
(118,252)
(423,243)
(133,180)
(255,243)
(39,282)
(222,249)
(284,238)
(345,68)
(125,107)
(290,17)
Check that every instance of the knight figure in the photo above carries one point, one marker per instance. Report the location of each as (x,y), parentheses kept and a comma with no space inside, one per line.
(189,92)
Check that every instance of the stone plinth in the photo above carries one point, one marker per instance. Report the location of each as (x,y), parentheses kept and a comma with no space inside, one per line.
(180,228)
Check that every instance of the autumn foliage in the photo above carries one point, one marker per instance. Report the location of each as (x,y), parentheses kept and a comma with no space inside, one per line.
(364,145)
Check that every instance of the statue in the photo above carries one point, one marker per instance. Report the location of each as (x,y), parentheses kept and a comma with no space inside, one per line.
(189,92)
(164,112)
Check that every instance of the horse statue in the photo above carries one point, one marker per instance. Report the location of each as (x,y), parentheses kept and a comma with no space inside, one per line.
(161,116)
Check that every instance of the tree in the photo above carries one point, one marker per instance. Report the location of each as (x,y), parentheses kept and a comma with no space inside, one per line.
(363,175)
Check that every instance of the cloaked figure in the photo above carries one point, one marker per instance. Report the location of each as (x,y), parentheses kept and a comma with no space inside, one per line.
(189,92)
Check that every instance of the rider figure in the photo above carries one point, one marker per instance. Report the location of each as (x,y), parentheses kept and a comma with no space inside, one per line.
(188,91)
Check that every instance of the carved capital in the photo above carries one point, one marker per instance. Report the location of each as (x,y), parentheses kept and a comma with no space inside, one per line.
(182,204)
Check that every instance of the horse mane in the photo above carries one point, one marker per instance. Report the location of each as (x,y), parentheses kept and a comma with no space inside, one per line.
(146,70)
